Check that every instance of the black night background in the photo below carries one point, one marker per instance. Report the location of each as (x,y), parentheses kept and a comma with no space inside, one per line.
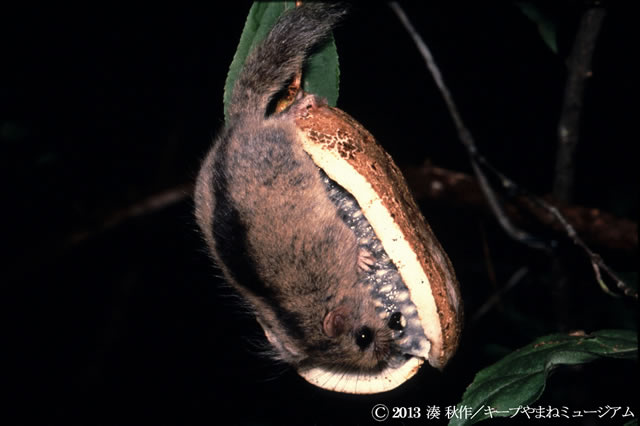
(115,314)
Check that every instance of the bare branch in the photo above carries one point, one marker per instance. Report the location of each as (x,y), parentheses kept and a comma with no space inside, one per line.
(579,70)
(596,261)
(460,190)
(466,138)
(476,160)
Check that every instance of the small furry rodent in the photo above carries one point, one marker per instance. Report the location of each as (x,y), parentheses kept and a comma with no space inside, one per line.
(296,245)
(271,227)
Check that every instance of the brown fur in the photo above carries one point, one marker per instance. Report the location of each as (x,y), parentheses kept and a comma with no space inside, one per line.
(269,224)
(306,258)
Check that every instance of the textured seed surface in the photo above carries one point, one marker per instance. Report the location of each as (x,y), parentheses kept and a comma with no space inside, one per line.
(382,278)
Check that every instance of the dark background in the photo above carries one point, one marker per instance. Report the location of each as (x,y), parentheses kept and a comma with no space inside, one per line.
(116,317)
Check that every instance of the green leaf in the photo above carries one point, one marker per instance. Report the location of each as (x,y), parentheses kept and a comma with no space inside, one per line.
(519,378)
(321,75)
(261,18)
(546,26)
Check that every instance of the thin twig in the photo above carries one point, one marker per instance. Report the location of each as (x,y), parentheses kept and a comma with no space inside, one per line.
(477,159)
(596,261)
(467,139)
(461,191)
(495,298)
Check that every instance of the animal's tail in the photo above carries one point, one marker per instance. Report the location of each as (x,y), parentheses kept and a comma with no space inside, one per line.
(273,63)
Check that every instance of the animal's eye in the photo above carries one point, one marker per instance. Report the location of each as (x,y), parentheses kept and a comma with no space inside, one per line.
(364,337)
(396,322)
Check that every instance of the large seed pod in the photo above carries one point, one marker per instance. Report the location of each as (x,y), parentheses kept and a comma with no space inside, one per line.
(350,156)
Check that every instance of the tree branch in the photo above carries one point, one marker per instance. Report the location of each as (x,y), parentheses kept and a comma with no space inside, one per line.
(461,191)
(578,69)
(467,139)
(476,160)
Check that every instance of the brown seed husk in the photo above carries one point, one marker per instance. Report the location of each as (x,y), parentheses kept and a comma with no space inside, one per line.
(350,155)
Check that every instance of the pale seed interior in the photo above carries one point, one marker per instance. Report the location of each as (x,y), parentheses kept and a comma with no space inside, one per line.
(362,383)
(391,236)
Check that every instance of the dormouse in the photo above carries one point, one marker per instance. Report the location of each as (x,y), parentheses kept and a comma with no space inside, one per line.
(313,225)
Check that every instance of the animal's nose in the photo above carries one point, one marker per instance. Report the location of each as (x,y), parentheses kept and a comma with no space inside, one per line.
(396,321)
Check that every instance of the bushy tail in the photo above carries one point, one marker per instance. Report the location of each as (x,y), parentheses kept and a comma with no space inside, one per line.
(280,55)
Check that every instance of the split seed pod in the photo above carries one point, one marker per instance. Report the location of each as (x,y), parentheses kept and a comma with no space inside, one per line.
(350,156)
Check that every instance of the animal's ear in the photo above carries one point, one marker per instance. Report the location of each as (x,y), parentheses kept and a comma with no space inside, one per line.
(286,350)
(335,322)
